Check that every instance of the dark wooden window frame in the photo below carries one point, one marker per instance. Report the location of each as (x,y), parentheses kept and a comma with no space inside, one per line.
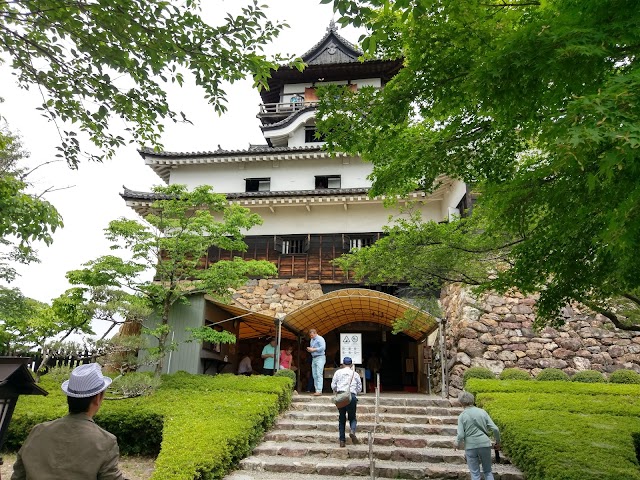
(253,184)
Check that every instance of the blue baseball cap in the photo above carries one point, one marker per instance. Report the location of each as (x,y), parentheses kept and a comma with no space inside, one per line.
(347,361)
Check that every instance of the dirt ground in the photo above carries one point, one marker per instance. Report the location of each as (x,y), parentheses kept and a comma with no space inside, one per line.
(134,468)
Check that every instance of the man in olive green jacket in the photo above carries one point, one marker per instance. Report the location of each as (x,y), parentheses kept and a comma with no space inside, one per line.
(72,447)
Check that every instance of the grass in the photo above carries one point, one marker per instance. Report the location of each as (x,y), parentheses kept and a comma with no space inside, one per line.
(565,431)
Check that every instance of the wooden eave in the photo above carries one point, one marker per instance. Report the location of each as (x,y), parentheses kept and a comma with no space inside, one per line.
(163,164)
(383,69)
(141,203)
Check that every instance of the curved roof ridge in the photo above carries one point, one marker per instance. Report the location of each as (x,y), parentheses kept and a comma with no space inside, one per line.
(289,119)
(332,31)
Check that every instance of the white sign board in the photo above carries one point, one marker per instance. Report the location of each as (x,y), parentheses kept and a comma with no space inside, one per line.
(351,346)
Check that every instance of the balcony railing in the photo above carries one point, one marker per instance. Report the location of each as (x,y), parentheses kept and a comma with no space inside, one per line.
(283,109)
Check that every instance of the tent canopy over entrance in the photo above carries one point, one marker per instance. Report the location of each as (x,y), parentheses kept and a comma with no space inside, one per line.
(340,307)
(251,324)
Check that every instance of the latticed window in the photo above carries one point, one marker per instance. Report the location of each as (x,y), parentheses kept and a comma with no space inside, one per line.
(356,242)
(292,245)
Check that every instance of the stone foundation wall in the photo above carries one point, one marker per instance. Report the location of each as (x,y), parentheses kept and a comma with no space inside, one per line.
(273,296)
(496,332)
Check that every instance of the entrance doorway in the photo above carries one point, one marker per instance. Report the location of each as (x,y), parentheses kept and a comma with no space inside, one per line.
(393,355)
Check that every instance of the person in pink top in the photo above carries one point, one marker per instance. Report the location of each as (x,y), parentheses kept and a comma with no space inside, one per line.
(286,357)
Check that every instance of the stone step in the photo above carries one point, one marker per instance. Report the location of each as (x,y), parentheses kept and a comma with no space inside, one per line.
(248,475)
(295,450)
(399,401)
(330,416)
(431,411)
(383,469)
(389,428)
(396,440)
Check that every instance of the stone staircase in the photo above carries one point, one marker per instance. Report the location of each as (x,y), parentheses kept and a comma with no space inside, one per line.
(414,439)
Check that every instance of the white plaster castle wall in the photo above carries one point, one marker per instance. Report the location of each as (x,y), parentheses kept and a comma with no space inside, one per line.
(296,138)
(285,175)
(453,197)
(292,89)
(358,218)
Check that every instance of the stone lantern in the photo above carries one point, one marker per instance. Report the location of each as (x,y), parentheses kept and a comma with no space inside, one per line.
(15,380)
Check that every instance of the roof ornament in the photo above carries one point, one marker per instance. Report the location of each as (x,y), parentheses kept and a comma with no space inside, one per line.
(332,48)
(332,26)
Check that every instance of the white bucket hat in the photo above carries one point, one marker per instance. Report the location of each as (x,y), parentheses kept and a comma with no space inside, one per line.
(86,381)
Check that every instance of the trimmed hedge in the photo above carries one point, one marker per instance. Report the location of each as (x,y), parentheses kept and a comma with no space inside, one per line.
(624,376)
(589,376)
(200,425)
(286,373)
(552,375)
(569,388)
(477,372)
(514,374)
(565,431)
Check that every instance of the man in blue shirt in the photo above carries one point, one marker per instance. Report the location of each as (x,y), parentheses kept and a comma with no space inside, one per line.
(269,354)
(317,348)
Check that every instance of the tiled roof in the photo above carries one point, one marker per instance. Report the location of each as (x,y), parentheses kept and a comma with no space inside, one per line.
(220,152)
(152,196)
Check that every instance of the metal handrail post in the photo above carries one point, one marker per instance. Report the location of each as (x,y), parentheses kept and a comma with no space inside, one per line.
(372,463)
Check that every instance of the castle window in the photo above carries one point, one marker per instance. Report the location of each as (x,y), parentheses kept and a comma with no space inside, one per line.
(310,135)
(357,242)
(292,245)
(327,181)
(257,184)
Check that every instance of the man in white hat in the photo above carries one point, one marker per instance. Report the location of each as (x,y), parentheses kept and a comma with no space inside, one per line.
(72,447)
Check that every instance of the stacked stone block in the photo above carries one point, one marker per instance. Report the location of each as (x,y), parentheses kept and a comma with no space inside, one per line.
(497,332)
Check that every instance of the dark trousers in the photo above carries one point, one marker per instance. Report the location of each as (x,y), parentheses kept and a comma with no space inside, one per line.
(267,371)
(349,410)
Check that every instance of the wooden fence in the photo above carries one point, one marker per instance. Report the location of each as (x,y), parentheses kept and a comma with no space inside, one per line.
(57,358)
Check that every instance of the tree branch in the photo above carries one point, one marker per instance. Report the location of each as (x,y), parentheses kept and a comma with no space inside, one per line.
(615,320)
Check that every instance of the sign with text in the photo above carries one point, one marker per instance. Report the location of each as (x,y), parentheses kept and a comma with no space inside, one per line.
(351,346)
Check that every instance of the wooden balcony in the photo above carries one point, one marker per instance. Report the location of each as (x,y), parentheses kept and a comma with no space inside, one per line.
(283,110)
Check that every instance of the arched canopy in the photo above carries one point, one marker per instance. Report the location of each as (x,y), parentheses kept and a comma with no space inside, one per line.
(340,307)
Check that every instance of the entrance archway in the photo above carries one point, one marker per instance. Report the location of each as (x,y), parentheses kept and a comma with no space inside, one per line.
(371,313)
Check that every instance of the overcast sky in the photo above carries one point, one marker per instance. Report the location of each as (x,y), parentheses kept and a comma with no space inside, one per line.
(94,199)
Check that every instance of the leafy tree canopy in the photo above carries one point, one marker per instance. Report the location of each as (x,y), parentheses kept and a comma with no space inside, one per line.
(534,104)
(26,324)
(94,60)
(172,242)
(25,217)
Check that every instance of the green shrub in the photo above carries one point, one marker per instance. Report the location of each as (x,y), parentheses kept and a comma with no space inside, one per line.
(133,384)
(552,375)
(624,376)
(286,373)
(636,444)
(139,431)
(514,374)
(568,388)
(200,426)
(58,374)
(565,430)
(478,372)
(589,376)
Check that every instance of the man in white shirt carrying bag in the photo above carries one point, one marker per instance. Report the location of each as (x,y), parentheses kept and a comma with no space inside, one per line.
(346,379)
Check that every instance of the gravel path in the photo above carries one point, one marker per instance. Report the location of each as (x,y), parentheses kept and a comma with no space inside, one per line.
(134,468)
